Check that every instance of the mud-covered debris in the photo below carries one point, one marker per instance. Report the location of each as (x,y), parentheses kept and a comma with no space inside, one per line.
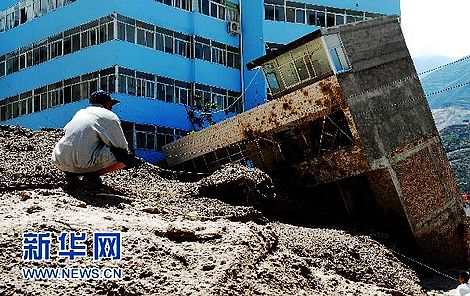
(152,210)
(237,184)
(23,153)
(180,233)
(34,209)
(180,238)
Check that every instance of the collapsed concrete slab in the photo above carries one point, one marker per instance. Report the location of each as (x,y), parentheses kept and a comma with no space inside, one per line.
(346,111)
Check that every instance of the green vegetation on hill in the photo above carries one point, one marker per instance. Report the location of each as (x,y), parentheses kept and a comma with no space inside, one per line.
(456,137)
(456,140)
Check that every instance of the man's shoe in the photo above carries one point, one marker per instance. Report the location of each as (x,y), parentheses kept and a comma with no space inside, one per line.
(92,181)
(72,181)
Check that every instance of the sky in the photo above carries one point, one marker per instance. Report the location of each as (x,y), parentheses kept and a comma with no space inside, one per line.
(436,27)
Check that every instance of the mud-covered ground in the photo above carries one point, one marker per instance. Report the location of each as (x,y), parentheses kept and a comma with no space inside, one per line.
(183,238)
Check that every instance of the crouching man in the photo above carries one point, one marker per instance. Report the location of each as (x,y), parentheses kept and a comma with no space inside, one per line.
(93,145)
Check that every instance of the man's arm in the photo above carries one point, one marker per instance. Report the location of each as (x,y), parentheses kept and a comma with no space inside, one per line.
(115,139)
(113,136)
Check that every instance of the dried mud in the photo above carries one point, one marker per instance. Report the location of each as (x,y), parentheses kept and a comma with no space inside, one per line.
(199,238)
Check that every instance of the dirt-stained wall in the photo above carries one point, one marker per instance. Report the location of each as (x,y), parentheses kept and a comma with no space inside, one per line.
(308,103)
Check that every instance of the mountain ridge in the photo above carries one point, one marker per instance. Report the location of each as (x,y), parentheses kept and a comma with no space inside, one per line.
(449,78)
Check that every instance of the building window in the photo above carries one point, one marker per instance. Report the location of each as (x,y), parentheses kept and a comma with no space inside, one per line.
(126,28)
(145,34)
(2,21)
(218,56)
(169,93)
(2,66)
(160,92)
(321,16)
(159,41)
(320,20)
(76,92)
(290,15)
(150,137)
(181,4)
(67,45)
(182,95)
(204,7)
(129,30)
(76,45)
(202,49)
(220,9)
(27,10)
(108,80)
(308,62)
(168,44)
(269,12)
(300,16)
(55,48)
(182,47)
(12,63)
(12,17)
(106,32)
(145,88)
(145,137)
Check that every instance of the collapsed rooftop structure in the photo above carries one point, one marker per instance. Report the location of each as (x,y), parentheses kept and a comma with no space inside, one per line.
(348,115)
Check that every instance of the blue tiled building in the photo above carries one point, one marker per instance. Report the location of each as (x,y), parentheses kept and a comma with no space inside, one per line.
(157,56)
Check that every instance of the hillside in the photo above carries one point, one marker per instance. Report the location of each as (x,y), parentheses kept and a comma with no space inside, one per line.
(456,140)
(450,116)
(177,241)
(449,76)
(451,112)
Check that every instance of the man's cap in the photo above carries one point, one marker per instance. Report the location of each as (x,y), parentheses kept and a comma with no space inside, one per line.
(100,96)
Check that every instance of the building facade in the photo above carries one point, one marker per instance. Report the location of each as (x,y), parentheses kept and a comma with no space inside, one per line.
(160,58)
